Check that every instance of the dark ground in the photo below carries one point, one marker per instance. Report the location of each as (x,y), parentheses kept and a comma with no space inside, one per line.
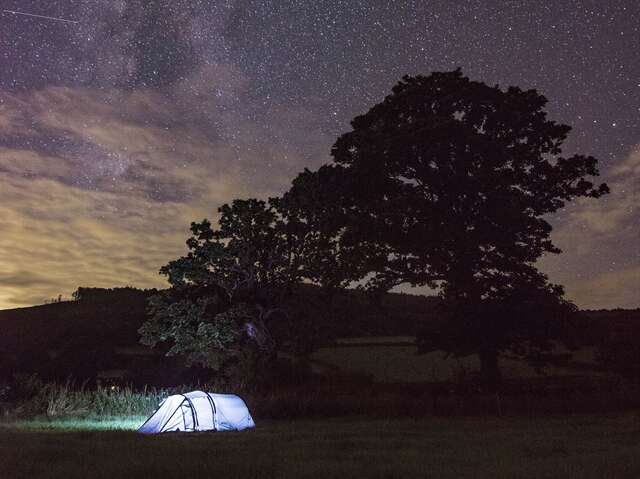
(581,446)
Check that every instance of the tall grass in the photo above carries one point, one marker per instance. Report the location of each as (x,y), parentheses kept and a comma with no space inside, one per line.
(63,400)
(125,401)
(69,399)
(335,399)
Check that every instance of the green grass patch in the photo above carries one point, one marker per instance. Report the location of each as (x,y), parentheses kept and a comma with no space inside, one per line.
(394,359)
(582,446)
(107,423)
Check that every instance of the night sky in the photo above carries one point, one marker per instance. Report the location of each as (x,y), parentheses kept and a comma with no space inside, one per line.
(117,131)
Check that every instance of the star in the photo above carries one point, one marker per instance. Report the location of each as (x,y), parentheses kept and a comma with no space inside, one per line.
(119,130)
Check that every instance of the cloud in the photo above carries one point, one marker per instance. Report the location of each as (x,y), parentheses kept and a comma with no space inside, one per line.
(98,186)
(617,211)
(112,141)
(608,290)
(590,222)
(111,204)
(56,237)
(600,240)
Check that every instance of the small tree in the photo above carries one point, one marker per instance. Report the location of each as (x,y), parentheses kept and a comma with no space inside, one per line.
(228,291)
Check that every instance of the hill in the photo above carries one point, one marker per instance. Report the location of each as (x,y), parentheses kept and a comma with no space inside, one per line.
(96,336)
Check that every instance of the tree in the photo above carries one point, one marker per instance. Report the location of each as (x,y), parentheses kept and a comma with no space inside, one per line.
(331,256)
(448,181)
(229,290)
(522,319)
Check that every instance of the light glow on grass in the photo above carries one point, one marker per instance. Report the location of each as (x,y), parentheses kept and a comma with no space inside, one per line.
(114,423)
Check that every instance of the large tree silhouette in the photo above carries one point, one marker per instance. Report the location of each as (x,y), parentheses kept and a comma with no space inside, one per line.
(447,183)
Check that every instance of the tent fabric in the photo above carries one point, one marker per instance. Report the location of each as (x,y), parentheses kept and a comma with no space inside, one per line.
(199,411)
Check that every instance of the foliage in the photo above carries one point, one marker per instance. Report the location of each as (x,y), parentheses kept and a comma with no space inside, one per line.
(332,256)
(180,322)
(447,184)
(232,290)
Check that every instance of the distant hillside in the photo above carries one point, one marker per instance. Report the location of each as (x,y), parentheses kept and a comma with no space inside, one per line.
(595,325)
(77,338)
(113,314)
(98,333)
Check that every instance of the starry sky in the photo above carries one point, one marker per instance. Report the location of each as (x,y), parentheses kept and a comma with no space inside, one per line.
(119,130)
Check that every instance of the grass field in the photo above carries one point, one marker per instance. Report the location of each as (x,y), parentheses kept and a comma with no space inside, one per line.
(553,447)
(395,359)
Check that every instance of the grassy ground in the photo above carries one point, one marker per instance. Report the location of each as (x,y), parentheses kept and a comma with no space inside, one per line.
(552,447)
(73,424)
(395,359)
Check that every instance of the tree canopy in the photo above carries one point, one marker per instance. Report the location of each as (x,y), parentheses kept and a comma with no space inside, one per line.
(232,283)
(448,183)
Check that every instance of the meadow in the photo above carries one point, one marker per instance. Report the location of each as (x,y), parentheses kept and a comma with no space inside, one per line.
(375,414)
(377,377)
(394,359)
(551,447)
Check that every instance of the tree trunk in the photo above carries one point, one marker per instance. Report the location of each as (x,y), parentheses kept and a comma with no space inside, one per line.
(490,370)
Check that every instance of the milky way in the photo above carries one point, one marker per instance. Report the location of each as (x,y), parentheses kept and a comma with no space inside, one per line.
(117,131)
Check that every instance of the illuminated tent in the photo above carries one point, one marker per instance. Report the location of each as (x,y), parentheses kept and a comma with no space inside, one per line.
(199,411)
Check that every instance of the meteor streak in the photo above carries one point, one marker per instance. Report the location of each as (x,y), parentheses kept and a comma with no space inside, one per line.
(41,16)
